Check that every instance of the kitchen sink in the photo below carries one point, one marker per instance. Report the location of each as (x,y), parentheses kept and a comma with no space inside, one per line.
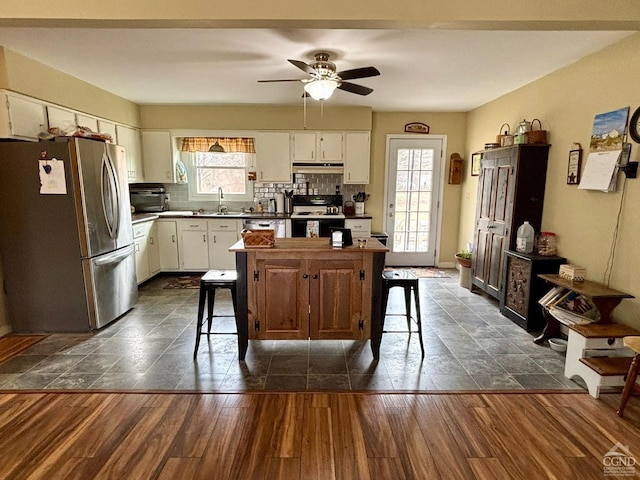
(209,213)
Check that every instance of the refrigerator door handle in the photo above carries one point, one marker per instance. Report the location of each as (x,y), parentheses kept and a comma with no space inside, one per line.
(115,257)
(110,195)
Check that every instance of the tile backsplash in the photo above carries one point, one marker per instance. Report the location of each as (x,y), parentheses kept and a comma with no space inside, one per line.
(318,183)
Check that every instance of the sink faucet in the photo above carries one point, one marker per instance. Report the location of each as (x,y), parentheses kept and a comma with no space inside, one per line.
(221,208)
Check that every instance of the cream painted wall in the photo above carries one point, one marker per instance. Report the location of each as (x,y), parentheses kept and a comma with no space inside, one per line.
(566,102)
(24,75)
(4,78)
(453,125)
(255,117)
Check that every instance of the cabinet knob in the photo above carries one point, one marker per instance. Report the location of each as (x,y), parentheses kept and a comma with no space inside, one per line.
(305,276)
(315,277)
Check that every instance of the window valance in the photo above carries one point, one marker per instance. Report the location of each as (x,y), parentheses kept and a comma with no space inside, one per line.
(230,144)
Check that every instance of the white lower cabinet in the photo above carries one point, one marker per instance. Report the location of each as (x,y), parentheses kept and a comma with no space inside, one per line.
(223,234)
(168,245)
(193,246)
(360,227)
(153,245)
(145,242)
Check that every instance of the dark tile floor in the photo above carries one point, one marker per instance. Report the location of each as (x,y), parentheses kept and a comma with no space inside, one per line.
(469,346)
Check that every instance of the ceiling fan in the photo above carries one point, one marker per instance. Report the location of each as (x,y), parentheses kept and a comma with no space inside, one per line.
(324,79)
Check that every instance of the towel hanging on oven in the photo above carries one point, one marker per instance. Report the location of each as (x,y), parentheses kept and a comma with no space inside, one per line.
(313,228)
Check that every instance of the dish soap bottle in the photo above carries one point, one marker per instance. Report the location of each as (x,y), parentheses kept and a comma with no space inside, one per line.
(524,238)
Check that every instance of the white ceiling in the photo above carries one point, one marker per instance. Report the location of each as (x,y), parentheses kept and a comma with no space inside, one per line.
(421,70)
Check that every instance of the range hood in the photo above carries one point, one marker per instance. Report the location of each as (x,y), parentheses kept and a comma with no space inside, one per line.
(313,167)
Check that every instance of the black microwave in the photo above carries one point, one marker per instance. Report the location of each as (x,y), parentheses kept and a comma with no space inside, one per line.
(148,198)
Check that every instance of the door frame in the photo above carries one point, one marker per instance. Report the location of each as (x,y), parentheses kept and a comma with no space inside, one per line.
(385,212)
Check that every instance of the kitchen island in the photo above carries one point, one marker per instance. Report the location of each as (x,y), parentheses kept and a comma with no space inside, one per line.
(303,288)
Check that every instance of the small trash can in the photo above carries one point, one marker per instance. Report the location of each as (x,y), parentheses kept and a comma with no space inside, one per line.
(465,277)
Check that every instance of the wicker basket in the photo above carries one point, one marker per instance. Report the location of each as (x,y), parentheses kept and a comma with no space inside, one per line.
(537,136)
(507,133)
(258,238)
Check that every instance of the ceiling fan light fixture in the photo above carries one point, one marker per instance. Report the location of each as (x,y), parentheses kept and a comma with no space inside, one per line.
(321,89)
(216,148)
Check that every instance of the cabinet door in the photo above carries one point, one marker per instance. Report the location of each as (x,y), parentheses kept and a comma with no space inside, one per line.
(153,247)
(272,157)
(104,126)
(282,299)
(61,118)
(304,147)
(88,121)
(140,244)
(336,299)
(330,147)
(193,246)
(357,158)
(168,244)
(142,259)
(129,138)
(157,156)
(493,220)
(26,117)
(219,255)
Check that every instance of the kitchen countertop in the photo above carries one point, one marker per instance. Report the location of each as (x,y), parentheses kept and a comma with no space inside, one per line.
(316,245)
(147,217)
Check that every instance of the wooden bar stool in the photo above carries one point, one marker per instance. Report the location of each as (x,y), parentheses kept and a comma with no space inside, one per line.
(630,385)
(408,281)
(209,284)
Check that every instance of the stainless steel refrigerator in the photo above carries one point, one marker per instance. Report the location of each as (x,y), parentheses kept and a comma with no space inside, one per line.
(66,241)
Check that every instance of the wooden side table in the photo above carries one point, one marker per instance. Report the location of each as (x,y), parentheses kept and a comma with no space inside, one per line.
(605,298)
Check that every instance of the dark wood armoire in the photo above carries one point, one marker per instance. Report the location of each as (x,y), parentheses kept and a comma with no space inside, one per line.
(510,191)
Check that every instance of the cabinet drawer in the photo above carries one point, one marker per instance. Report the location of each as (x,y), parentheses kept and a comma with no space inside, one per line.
(191,225)
(223,225)
(142,229)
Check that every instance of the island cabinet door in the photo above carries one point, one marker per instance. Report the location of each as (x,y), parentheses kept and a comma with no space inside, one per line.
(281,300)
(336,288)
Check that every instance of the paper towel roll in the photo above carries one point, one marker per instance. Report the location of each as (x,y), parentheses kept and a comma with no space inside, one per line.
(279,202)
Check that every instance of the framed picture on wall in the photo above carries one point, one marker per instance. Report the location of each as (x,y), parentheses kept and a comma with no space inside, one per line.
(574,166)
(475,164)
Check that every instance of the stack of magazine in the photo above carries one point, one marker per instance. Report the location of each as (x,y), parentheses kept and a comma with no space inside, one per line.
(569,307)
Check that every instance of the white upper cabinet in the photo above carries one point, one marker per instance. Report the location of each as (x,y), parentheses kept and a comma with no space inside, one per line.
(61,118)
(88,121)
(129,138)
(21,117)
(357,157)
(157,156)
(317,147)
(273,157)
(67,120)
(105,126)
(304,147)
(330,147)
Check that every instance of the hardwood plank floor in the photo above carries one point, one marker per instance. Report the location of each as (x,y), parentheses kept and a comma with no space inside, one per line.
(312,435)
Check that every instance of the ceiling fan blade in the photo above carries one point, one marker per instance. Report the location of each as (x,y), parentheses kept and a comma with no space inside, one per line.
(303,66)
(363,72)
(354,88)
(284,80)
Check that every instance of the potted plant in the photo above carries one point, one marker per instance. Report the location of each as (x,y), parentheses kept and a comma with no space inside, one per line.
(464,258)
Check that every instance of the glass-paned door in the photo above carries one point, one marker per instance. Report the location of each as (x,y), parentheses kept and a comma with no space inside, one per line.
(413,182)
